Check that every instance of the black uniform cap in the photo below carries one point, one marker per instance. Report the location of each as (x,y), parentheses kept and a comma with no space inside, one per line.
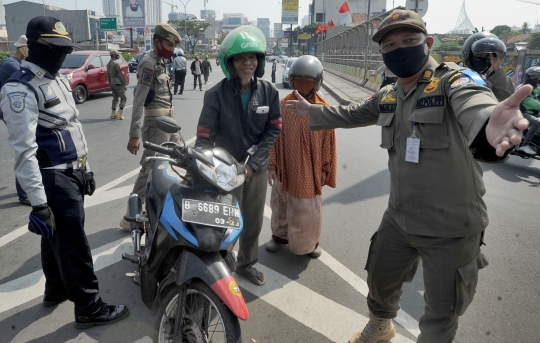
(50,30)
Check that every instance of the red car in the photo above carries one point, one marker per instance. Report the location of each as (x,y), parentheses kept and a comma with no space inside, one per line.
(87,72)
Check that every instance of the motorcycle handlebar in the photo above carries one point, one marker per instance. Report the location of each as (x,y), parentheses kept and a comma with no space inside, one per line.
(158,148)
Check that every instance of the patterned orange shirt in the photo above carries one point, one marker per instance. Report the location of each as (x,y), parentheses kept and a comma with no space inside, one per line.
(300,155)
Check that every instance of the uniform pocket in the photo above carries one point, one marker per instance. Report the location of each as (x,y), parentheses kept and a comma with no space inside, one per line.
(466,281)
(431,128)
(374,247)
(387,130)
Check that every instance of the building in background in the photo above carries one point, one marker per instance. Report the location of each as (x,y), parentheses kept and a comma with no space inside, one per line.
(181,16)
(113,9)
(324,11)
(80,24)
(153,12)
(278,30)
(207,14)
(264,25)
(2,16)
(304,21)
(233,20)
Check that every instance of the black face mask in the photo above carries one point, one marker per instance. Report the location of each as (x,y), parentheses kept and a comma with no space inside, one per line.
(44,56)
(479,65)
(533,82)
(405,62)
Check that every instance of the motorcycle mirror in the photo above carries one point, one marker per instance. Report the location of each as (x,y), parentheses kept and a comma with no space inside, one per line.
(167,124)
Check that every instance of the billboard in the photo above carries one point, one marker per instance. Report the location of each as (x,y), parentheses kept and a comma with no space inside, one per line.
(134,13)
(289,12)
(235,21)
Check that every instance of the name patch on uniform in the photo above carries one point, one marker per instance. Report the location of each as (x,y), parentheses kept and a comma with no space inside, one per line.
(463,80)
(48,92)
(16,100)
(147,76)
(387,108)
(430,101)
(432,85)
(388,98)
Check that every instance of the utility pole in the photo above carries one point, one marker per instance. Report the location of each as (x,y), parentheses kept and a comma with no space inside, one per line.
(185,18)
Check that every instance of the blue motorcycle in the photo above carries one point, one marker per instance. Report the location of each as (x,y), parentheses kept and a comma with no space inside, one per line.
(191,224)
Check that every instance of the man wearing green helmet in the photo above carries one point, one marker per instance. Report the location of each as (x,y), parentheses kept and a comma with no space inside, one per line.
(241,111)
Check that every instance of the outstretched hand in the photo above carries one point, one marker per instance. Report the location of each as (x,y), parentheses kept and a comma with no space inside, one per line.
(506,123)
(299,107)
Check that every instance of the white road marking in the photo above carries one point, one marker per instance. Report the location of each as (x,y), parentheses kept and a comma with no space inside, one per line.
(29,287)
(145,339)
(313,310)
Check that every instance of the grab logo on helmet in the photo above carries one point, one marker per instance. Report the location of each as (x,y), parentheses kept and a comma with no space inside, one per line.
(252,44)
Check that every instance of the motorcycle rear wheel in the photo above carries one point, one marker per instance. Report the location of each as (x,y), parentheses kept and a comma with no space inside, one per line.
(206,319)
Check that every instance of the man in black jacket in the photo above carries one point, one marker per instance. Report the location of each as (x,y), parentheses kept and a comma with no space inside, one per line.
(238,112)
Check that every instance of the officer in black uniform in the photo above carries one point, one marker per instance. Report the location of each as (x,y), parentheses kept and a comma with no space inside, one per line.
(51,165)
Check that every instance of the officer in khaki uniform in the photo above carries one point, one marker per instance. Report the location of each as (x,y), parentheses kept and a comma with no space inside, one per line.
(118,84)
(153,98)
(436,120)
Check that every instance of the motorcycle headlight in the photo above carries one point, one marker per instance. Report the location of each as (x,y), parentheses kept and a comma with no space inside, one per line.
(222,175)
(69,76)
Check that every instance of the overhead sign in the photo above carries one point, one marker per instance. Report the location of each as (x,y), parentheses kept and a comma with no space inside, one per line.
(289,12)
(134,13)
(304,36)
(418,6)
(107,24)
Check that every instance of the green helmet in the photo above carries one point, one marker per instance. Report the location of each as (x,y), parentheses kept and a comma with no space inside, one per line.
(243,39)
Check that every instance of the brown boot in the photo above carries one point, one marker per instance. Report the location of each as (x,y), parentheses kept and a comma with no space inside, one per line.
(113,114)
(120,114)
(377,329)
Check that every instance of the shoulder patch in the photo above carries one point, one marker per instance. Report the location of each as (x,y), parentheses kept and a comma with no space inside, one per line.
(48,92)
(433,85)
(147,76)
(388,98)
(370,99)
(464,79)
(454,76)
(474,76)
(16,100)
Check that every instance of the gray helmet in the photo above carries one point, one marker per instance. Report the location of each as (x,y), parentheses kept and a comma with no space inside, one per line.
(467,46)
(308,66)
(532,71)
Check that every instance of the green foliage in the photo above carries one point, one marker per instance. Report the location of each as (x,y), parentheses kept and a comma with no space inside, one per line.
(534,41)
(525,28)
(503,32)
(222,37)
(449,46)
(128,55)
(192,27)
(4,55)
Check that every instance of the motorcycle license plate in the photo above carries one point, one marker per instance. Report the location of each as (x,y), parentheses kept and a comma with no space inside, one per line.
(210,213)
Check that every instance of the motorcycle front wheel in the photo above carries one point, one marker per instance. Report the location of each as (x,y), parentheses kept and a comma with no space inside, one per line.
(206,318)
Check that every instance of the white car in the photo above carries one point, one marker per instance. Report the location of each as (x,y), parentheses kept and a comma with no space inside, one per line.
(287,66)
(282,58)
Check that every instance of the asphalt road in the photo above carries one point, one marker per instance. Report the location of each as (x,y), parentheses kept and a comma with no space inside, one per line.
(304,299)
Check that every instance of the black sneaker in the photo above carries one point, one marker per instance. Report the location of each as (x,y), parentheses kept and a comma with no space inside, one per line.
(24,200)
(107,314)
(49,301)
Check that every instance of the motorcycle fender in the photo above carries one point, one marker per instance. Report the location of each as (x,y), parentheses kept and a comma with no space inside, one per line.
(212,270)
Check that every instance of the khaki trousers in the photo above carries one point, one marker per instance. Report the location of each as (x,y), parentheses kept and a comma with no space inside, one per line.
(119,94)
(450,267)
(251,197)
(154,135)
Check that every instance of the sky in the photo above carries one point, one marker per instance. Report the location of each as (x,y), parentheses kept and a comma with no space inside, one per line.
(441,16)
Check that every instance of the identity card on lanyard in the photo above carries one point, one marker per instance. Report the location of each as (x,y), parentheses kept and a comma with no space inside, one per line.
(412,154)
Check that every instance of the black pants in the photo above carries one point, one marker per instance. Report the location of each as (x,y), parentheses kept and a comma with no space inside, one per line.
(195,78)
(179,79)
(66,257)
(273,76)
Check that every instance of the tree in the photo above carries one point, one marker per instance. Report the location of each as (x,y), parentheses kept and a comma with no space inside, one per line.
(525,28)
(222,36)
(534,41)
(297,30)
(191,28)
(503,32)
(449,46)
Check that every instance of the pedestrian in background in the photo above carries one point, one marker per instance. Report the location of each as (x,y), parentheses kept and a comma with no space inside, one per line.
(436,122)
(38,106)
(180,70)
(196,70)
(153,98)
(301,163)
(206,69)
(7,68)
(387,75)
(118,84)
(240,111)
(274,67)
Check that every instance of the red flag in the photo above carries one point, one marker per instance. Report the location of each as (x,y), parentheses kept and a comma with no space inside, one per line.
(319,28)
(324,28)
(344,8)
(317,31)
(331,24)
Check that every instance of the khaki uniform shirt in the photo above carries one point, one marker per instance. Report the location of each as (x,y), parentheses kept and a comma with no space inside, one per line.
(153,92)
(116,77)
(500,84)
(441,195)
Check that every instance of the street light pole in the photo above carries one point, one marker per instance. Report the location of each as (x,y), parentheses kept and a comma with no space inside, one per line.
(185,18)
